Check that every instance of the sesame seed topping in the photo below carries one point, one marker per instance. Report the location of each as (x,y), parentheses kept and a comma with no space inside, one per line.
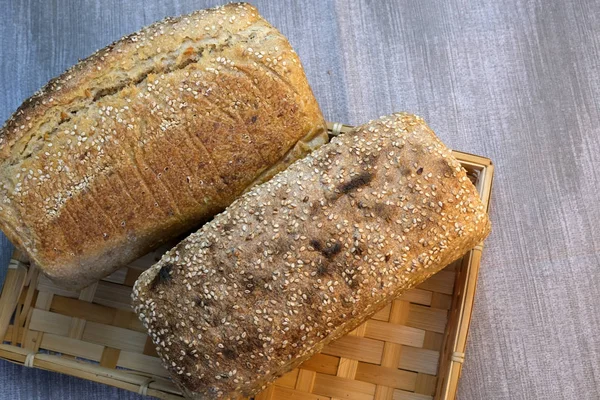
(285,266)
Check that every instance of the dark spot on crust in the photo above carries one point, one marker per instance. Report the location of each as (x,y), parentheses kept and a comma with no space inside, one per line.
(420,171)
(315,244)
(445,168)
(383,211)
(305,199)
(253,119)
(332,250)
(186,63)
(322,269)
(327,251)
(387,257)
(358,249)
(315,207)
(229,354)
(352,283)
(227,227)
(251,343)
(163,277)
(203,301)
(358,181)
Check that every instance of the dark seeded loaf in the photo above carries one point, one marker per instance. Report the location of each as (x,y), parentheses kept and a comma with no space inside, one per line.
(308,256)
(150,137)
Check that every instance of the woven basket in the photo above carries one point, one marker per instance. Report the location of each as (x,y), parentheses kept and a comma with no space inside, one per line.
(413,349)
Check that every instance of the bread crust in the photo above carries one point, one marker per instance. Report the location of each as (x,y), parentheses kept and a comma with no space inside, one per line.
(149,137)
(308,256)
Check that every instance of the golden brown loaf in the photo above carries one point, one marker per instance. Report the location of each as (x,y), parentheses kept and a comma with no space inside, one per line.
(308,256)
(149,137)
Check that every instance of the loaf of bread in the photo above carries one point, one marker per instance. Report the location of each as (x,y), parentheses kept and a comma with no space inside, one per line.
(308,256)
(149,137)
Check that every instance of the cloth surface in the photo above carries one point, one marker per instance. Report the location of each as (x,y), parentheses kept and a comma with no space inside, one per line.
(517,81)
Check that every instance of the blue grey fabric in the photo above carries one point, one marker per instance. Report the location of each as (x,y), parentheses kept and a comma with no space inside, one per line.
(515,80)
(6,249)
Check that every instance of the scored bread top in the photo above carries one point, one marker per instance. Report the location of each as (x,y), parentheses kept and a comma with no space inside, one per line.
(150,136)
(308,256)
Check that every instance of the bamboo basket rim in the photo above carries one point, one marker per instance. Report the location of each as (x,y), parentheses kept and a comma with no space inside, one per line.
(452,353)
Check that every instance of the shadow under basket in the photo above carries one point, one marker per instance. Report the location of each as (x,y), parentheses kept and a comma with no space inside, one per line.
(412,349)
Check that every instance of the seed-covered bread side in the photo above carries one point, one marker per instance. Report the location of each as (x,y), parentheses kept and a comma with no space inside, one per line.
(150,137)
(306,257)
